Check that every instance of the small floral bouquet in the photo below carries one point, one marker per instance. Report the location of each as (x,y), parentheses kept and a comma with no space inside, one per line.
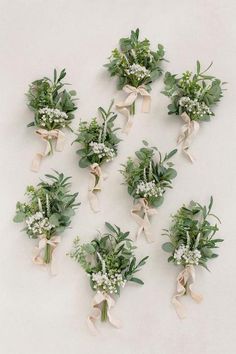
(53,108)
(192,243)
(136,66)
(192,97)
(147,180)
(99,145)
(46,214)
(110,263)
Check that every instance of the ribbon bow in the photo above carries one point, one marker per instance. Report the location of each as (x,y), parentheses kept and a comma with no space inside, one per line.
(188,131)
(143,222)
(46,136)
(185,279)
(95,186)
(96,311)
(43,242)
(133,93)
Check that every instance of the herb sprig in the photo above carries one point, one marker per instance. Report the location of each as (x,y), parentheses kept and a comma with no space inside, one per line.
(48,210)
(52,104)
(191,235)
(193,93)
(149,177)
(109,261)
(135,63)
(99,141)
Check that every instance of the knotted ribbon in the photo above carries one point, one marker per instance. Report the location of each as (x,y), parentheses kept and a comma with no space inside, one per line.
(43,242)
(143,222)
(95,186)
(96,311)
(123,107)
(185,281)
(47,135)
(187,133)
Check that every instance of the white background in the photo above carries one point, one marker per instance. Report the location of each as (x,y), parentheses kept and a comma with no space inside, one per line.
(44,315)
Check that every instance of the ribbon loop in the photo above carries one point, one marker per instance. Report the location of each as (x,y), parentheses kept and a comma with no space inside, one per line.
(47,136)
(187,133)
(98,299)
(143,222)
(185,281)
(123,107)
(95,186)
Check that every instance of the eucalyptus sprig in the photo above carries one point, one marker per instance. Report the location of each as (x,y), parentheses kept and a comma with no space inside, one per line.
(134,63)
(99,141)
(47,211)
(150,175)
(110,262)
(52,104)
(195,93)
(191,234)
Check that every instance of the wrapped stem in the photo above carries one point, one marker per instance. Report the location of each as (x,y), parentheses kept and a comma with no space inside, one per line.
(132,109)
(48,254)
(104,311)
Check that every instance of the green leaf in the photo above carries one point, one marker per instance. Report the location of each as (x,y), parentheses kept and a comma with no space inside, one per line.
(84,162)
(19,217)
(168,247)
(69,212)
(137,280)
(110,227)
(89,248)
(54,219)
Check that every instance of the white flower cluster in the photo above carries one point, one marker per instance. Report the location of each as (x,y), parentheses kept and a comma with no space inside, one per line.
(184,255)
(149,189)
(38,224)
(102,150)
(52,115)
(195,107)
(140,72)
(107,283)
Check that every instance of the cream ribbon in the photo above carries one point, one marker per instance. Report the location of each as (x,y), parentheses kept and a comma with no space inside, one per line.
(43,242)
(96,311)
(95,186)
(47,135)
(123,107)
(186,278)
(187,133)
(143,222)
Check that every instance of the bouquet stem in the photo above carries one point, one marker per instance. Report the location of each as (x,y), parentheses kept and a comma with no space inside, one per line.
(48,254)
(104,311)
(132,109)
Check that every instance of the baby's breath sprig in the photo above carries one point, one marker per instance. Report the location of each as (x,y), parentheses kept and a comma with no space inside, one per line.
(47,213)
(147,179)
(192,243)
(53,108)
(110,263)
(137,67)
(193,97)
(99,145)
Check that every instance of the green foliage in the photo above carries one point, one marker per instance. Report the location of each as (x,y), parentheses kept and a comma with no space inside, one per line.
(193,93)
(49,208)
(99,142)
(192,235)
(109,260)
(148,178)
(51,94)
(135,63)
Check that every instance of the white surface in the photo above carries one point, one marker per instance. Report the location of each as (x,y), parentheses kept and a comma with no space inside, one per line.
(44,315)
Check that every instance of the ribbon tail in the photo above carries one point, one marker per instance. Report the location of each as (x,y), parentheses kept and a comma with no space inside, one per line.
(92,318)
(146,104)
(113,320)
(60,141)
(36,163)
(195,296)
(125,112)
(180,291)
(94,188)
(147,228)
(179,308)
